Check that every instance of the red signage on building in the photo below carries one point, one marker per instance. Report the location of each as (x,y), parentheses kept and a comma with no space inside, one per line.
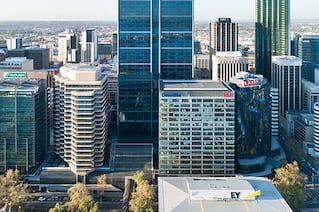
(228,94)
(251,82)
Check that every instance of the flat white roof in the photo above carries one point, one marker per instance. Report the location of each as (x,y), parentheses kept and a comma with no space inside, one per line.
(195,85)
(240,194)
(287,60)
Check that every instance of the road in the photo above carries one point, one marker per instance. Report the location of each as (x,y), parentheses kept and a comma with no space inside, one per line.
(110,201)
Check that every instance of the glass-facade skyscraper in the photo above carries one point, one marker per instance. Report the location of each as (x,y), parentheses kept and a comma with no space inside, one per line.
(253,121)
(272,33)
(155,41)
(23,124)
(309,53)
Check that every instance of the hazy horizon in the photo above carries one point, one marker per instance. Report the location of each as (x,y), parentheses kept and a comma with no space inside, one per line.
(106,10)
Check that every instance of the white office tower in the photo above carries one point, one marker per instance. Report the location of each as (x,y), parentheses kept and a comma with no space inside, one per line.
(63,41)
(80,117)
(227,64)
(274,112)
(196,128)
(14,43)
(68,47)
(89,46)
(310,95)
(223,36)
(286,77)
(53,51)
(201,61)
(316,128)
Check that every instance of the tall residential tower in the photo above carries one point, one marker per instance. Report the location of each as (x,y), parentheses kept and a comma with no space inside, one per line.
(272,33)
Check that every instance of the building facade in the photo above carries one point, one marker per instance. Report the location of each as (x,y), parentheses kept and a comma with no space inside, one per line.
(80,117)
(310,95)
(23,124)
(196,128)
(40,56)
(316,128)
(223,36)
(286,77)
(309,53)
(89,46)
(272,33)
(155,41)
(14,43)
(274,94)
(68,44)
(227,64)
(253,121)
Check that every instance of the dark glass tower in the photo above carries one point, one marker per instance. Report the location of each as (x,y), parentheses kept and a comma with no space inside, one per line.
(23,124)
(155,42)
(272,33)
(309,53)
(253,121)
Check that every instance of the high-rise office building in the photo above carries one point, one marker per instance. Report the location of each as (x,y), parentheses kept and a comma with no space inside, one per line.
(228,64)
(286,77)
(68,44)
(274,94)
(309,53)
(316,128)
(89,46)
(40,56)
(155,42)
(114,44)
(23,124)
(80,117)
(272,33)
(63,45)
(253,121)
(14,43)
(294,44)
(310,95)
(196,128)
(223,36)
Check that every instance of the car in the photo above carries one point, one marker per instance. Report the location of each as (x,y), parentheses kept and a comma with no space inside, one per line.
(41,198)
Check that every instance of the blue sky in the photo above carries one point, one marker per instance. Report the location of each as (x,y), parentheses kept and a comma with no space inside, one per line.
(107,9)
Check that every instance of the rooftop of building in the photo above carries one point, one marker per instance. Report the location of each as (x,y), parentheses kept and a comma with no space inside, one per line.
(229,54)
(310,86)
(198,85)
(246,79)
(287,60)
(15,59)
(80,73)
(219,194)
(195,88)
(29,85)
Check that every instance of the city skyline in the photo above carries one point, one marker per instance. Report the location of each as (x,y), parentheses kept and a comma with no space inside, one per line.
(106,10)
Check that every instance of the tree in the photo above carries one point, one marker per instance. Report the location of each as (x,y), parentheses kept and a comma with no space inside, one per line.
(291,184)
(79,201)
(139,177)
(143,198)
(76,194)
(11,191)
(59,208)
(102,180)
(88,205)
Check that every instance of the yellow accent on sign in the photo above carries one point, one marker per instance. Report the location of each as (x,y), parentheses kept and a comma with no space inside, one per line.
(256,193)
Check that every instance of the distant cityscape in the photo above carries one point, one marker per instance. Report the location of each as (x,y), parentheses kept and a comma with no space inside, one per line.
(207,110)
